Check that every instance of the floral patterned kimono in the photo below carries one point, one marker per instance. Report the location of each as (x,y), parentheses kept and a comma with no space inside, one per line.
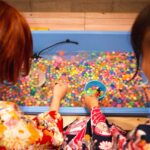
(95,133)
(17,132)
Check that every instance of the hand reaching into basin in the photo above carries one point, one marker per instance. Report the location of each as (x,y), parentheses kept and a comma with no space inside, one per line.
(60,90)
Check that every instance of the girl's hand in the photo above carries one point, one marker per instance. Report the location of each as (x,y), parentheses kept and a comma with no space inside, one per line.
(60,90)
(90,101)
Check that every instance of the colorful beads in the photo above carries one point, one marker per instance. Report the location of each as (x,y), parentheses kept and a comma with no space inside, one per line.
(114,69)
(94,90)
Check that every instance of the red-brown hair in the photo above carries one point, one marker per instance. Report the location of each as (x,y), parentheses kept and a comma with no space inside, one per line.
(15,44)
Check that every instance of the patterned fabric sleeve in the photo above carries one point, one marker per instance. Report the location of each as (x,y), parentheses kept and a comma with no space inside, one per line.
(51,125)
(101,136)
(96,133)
(110,136)
(18,132)
(89,133)
(137,139)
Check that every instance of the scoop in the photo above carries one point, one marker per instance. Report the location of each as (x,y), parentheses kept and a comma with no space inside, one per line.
(95,87)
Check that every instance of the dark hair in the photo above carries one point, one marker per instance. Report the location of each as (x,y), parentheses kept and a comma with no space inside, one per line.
(15,44)
(141,24)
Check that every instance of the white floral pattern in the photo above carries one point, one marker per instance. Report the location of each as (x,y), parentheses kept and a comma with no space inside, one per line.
(20,133)
(105,145)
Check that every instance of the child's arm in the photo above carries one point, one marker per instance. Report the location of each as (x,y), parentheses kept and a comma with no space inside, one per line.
(51,122)
(103,133)
(59,92)
(91,102)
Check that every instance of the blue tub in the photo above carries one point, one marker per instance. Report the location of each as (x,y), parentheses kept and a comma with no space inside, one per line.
(108,41)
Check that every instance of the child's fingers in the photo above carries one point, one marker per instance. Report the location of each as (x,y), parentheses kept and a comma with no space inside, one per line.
(62,82)
(94,95)
(88,96)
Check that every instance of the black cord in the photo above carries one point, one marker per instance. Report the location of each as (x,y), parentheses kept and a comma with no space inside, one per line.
(67,41)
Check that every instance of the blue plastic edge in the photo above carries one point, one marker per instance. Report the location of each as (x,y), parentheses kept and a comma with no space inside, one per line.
(145,112)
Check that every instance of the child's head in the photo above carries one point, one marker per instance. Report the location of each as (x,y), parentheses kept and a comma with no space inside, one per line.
(15,44)
(140,38)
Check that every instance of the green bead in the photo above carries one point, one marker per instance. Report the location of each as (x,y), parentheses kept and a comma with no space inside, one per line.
(33,91)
